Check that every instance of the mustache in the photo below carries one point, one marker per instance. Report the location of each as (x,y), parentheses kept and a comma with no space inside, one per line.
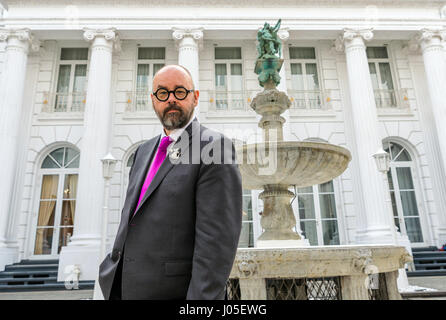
(172,107)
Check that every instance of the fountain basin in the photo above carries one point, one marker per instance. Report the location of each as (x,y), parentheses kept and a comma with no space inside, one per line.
(290,163)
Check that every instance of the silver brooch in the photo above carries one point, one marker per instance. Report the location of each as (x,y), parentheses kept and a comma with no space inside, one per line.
(174,154)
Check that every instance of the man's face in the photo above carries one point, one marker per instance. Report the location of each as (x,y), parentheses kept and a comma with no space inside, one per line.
(174,113)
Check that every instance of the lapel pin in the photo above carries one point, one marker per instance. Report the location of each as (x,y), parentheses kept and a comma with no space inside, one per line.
(174,153)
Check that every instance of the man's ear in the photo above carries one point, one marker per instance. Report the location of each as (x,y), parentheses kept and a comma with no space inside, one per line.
(196,96)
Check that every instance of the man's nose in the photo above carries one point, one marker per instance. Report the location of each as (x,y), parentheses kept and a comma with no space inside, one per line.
(172,98)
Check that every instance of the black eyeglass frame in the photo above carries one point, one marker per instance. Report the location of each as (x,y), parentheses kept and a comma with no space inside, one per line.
(172,91)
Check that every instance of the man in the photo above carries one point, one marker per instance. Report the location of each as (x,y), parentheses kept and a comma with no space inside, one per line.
(181,220)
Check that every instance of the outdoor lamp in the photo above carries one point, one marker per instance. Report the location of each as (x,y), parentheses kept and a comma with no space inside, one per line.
(108,166)
(382,160)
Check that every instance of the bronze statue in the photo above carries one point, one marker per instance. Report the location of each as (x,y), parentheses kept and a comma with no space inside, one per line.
(269,44)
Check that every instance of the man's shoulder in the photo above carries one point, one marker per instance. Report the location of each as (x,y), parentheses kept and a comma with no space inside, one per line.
(149,143)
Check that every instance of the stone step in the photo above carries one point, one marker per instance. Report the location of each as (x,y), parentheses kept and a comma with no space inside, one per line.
(26,274)
(426,273)
(40,267)
(426,266)
(44,287)
(29,280)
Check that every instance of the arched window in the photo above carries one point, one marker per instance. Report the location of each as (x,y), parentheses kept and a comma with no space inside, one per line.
(57,201)
(402,192)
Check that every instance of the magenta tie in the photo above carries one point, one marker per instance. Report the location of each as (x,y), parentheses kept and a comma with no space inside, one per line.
(159,158)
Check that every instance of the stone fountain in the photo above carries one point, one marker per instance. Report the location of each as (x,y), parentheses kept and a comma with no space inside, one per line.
(275,165)
(283,265)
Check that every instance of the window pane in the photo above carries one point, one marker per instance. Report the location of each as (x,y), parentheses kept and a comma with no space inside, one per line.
(306,206)
(80,78)
(236,78)
(131,159)
(67,217)
(405,181)
(394,207)
(70,154)
(64,235)
(328,206)
(49,187)
(374,76)
(389,178)
(58,155)
(297,79)
(326,187)
(74,54)
(63,82)
(246,239)
(142,78)
(157,67)
(386,76)
(70,186)
(376,53)
(404,156)
(305,190)
(220,76)
(409,203)
(44,239)
(311,76)
(152,53)
(413,228)
(49,163)
(302,53)
(47,211)
(309,231)
(228,53)
(330,231)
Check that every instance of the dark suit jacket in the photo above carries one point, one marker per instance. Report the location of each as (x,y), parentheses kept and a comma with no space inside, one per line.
(182,241)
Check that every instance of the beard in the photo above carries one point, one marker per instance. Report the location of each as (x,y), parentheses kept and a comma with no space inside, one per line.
(174,120)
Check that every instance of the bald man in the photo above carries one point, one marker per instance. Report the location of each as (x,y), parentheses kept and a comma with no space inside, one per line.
(181,220)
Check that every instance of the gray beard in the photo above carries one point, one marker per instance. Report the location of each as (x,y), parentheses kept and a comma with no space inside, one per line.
(174,120)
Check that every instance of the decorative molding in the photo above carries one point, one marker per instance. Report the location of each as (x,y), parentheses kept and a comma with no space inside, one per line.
(24,35)
(349,35)
(108,34)
(423,39)
(196,34)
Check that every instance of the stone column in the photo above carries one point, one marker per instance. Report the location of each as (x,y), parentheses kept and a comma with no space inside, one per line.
(84,247)
(284,35)
(374,223)
(431,42)
(12,84)
(189,42)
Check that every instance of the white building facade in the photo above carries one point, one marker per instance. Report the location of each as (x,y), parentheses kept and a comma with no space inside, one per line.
(75,85)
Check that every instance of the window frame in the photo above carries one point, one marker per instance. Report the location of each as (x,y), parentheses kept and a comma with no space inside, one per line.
(229,92)
(72,63)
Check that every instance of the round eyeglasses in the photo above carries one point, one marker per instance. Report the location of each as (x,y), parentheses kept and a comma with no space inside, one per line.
(180,93)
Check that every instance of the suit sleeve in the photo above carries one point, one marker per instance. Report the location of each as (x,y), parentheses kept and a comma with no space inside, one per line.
(217,228)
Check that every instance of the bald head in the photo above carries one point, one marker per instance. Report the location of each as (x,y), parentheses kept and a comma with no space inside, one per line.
(173,70)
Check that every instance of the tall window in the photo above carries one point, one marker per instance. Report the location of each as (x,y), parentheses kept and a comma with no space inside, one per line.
(402,192)
(150,60)
(305,91)
(59,172)
(71,82)
(317,214)
(381,74)
(228,78)
(247,234)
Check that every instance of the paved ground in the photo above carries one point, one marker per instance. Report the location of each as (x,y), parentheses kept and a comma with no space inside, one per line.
(438,283)
(48,295)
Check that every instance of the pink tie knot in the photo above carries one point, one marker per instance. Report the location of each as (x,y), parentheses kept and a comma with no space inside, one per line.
(165,142)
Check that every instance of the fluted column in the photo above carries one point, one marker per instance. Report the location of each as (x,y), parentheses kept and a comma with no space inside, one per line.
(84,247)
(373,224)
(284,35)
(189,42)
(12,84)
(431,42)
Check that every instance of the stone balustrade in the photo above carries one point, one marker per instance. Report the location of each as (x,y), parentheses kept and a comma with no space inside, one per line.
(356,272)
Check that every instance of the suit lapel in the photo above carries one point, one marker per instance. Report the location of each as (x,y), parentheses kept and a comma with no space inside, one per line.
(164,169)
(141,172)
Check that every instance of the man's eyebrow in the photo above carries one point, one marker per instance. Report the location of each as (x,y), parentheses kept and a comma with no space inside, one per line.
(161,87)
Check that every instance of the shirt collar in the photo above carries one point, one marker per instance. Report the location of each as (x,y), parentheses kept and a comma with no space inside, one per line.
(176,133)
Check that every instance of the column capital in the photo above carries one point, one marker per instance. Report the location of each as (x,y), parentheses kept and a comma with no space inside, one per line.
(23,35)
(91,34)
(426,38)
(350,35)
(196,34)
